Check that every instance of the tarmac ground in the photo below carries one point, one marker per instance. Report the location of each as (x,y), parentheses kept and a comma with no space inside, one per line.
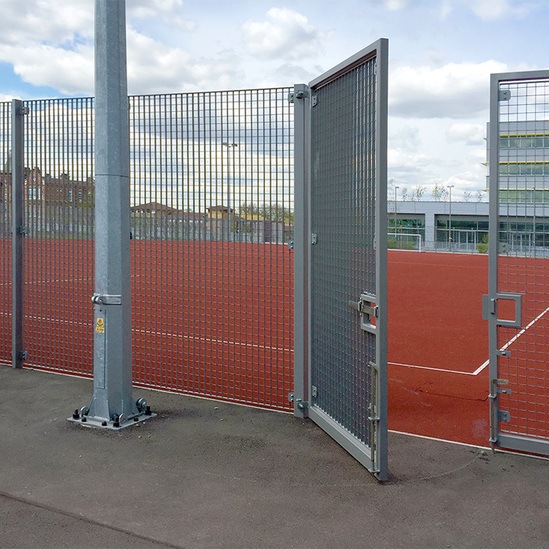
(207,474)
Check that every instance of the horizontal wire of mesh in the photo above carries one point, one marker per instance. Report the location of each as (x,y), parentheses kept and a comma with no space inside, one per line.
(343,259)
(522,264)
(211,217)
(5,234)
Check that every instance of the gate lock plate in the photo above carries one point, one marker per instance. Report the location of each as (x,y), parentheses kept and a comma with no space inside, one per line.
(368,311)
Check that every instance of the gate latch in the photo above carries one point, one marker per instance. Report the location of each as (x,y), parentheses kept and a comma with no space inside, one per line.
(368,311)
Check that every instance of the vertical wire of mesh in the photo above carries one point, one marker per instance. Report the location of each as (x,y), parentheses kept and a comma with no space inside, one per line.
(58,244)
(5,234)
(212,189)
(523,259)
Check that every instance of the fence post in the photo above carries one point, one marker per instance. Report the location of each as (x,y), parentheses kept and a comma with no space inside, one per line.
(112,405)
(302,240)
(18,111)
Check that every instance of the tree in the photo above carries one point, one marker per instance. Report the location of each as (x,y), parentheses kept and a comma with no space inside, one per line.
(268,212)
(404,194)
(439,193)
(418,192)
(480,196)
(467,196)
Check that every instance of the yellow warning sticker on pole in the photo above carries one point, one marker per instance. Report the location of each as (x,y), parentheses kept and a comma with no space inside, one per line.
(100,325)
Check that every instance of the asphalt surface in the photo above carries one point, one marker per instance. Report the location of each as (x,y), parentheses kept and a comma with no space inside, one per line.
(205,474)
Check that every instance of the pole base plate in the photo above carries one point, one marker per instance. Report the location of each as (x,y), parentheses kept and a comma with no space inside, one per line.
(110,425)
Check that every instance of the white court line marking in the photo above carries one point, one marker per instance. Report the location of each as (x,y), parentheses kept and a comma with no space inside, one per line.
(512,340)
(485,363)
(163,334)
(431,368)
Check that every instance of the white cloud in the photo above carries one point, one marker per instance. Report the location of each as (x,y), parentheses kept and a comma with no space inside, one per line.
(395,5)
(70,71)
(455,90)
(470,134)
(283,33)
(406,138)
(491,10)
(154,68)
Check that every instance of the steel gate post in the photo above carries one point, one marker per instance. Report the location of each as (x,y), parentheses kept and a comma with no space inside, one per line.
(112,405)
(301,101)
(18,111)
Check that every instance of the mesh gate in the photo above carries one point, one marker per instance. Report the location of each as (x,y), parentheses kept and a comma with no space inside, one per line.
(211,216)
(5,234)
(519,267)
(348,375)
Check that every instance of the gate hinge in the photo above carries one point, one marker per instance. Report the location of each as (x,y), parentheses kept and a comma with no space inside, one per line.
(504,416)
(21,230)
(301,404)
(504,95)
(301,94)
(23,111)
(488,307)
(497,390)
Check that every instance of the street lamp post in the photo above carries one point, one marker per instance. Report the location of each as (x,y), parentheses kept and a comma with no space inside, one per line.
(450,187)
(230,146)
(396,189)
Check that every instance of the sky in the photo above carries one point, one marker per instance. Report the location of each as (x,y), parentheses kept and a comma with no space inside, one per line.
(441,55)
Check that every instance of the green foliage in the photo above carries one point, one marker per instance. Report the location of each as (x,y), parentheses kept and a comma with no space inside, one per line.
(271,212)
(393,244)
(482,246)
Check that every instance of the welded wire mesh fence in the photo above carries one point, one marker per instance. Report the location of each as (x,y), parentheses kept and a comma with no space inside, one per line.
(212,212)
(58,245)
(211,216)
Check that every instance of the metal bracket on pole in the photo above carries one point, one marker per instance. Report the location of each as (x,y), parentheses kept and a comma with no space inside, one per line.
(99,299)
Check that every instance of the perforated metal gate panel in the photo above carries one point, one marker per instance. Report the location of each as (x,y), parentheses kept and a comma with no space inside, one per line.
(519,262)
(348,256)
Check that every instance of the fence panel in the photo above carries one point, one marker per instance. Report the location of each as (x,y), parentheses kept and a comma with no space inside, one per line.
(211,217)
(212,212)
(5,234)
(58,247)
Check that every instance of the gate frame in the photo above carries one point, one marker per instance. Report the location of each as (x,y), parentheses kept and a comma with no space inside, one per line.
(497,439)
(375,461)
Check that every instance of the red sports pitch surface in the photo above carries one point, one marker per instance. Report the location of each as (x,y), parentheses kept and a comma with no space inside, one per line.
(438,346)
(216,319)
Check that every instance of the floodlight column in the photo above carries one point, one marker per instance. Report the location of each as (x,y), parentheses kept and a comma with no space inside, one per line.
(112,405)
(396,189)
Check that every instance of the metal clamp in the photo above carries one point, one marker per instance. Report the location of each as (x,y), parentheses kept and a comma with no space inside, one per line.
(102,299)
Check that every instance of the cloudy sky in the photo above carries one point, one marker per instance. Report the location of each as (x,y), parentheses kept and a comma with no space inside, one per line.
(442,53)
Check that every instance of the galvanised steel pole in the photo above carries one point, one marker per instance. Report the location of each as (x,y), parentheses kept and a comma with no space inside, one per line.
(112,405)
(18,111)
